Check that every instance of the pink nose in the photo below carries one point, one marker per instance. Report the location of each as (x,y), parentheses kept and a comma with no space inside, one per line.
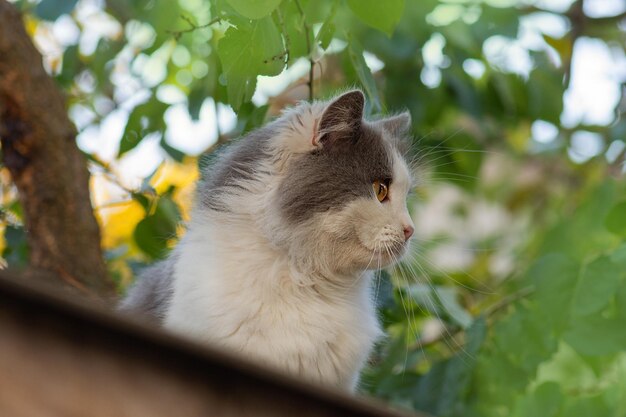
(408,232)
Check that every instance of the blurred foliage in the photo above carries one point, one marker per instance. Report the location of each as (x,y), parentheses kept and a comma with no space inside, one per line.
(514,302)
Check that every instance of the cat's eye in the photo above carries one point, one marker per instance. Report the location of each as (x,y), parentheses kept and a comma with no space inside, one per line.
(381,189)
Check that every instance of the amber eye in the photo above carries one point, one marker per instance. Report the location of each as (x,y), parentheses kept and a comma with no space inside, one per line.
(381,188)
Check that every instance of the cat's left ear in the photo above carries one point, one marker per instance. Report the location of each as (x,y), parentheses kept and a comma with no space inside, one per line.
(398,125)
(342,118)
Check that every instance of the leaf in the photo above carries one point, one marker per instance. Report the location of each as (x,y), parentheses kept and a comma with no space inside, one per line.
(503,20)
(71,66)
(254,9)
(545,92)
(294,31)
(53,9)
(250,117)
(153,232)
(616,219)
(446,383)
(598,283)
(619,256)
(326,32)
(195,99)
(544,401)
(364,74)
(382,15)
(16,250)
(555,277)
(596,336)
(248,51)
(174,153)
(146,118)
(562,45)
(450,304)
(325,35)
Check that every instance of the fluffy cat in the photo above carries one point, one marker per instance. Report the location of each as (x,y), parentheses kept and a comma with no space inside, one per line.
(288,227)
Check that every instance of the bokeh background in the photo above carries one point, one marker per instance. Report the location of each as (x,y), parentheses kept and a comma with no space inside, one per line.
(513,302)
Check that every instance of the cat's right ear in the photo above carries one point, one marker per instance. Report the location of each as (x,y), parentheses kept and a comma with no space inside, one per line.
(341,119)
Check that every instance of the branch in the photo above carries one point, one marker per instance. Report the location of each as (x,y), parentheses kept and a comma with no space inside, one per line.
(488,312)
(192,26)
(307,31)
(577,17)
(50,173)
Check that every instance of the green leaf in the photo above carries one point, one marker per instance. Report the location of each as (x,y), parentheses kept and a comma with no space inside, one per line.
(250,117)
(596,336)
(294,31)
(618,257)
(364,74)
(616,219)
(382,15)
(195,99)
(441,390)
(555,277)
(153,232)
(598,283)
(52,9)
(587,406)
(248,51)
(325,35)
(71,66)
(254,9)
(545,92)
(16,249)
(174,153)
(544,401)
(146,118)
(449,301)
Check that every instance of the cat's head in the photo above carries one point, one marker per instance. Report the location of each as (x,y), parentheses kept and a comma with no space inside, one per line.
(342,196)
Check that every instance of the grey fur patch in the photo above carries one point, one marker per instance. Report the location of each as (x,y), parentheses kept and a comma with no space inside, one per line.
(152,292)
(399,128)
(398,125)
(332,176)
(233,167)
(342,117)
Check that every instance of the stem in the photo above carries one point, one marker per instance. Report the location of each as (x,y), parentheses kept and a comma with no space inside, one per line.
(448,334)
(577,17)
(192,26)
(307,32)
(287,45)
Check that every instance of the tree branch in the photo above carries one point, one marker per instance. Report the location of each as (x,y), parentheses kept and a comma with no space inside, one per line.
(192,26)
(39,149)
(309,47)
(448,334)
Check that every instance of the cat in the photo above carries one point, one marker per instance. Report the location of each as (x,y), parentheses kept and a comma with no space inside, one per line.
(287,230)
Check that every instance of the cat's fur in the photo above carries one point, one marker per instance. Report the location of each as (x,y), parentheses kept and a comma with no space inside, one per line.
(277,261)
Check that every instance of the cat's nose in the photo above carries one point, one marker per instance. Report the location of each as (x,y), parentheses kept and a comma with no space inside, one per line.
(408,232)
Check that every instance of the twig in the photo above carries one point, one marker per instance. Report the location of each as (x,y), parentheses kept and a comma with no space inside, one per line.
(448,333)
(287,45)
(508,300)
(577,17)
(307,31)
(277,57)
(192,26)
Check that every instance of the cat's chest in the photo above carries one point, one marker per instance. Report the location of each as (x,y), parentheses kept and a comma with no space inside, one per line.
(247,302)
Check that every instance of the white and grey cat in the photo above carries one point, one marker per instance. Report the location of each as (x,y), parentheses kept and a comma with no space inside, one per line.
(288,227)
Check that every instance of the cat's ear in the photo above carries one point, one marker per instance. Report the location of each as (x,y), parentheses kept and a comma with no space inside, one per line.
(398,125)
(342,117)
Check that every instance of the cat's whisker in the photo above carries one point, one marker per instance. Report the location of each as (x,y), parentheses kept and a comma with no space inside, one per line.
(487,291)
(449,337)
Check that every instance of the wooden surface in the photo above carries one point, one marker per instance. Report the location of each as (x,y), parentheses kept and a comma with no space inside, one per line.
(59,357)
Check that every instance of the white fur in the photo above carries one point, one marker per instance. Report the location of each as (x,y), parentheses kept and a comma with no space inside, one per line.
(246,282)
